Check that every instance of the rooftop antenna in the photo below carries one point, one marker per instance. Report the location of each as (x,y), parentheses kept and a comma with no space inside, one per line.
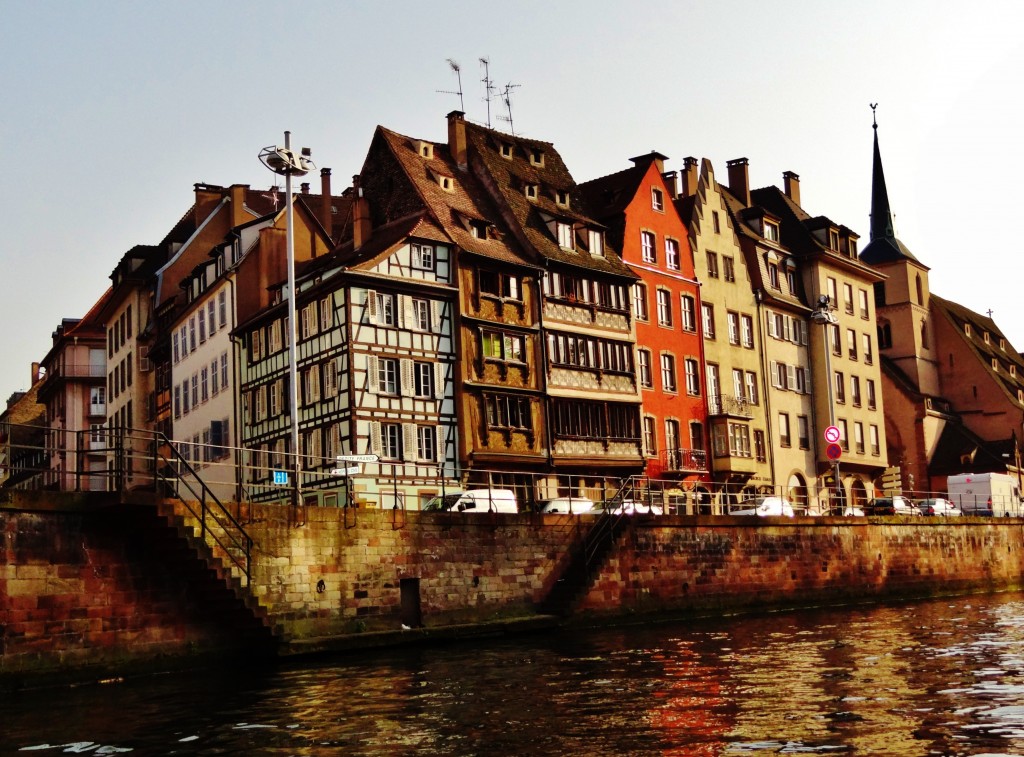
(488,87)
(458,72)
(506,95)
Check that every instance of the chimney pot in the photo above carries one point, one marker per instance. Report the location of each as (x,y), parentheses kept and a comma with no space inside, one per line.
(304,186)
(792,185)
(457,137)
(671,184)
(326,216)
(689,176)
(739,179)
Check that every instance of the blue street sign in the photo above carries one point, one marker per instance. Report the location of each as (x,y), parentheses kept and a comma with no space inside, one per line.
(280,478)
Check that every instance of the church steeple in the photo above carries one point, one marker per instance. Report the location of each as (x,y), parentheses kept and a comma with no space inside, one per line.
(881,213)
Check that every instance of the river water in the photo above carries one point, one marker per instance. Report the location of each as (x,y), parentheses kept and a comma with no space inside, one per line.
(943,677)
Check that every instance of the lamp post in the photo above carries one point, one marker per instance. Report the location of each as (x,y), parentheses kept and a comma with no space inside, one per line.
(282,161)
(824,315)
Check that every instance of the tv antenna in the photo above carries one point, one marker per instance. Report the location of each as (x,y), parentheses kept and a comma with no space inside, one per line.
(458,73)
(506,95)
(488,87)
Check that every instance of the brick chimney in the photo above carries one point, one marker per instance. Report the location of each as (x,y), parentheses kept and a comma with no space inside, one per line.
(35,374)
(238,215)
(739,180)
(457,136)
(671,184)
(792,183)
(362,226)
(689,176)
(304,187)
(326,217)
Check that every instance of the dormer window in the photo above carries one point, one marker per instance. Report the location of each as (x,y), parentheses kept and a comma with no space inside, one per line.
(425,149)
(478,229)
(986,337)
(506,150)
(1002,344)
(833,239)
(564,233)
(853,248)
(657,199)
(562,198)
(967,329)
(1013,370)
(995,364)
(536,156)
(773,275)
(771,231)
(446,183)
(1020,395)
(531,191)
(596,242)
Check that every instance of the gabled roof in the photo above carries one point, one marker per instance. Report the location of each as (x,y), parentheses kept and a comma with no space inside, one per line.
(509,175)
(608,197)
(958,450)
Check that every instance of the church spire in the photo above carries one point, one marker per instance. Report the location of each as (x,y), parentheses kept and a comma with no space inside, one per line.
(881,214)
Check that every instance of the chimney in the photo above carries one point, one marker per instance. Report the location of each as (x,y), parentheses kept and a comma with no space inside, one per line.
(457,137)
(739,180)
(35,374)
(326,217)
(304,186)
(362,227)
(671,184)
(689,176)
(238,214)
(792,184)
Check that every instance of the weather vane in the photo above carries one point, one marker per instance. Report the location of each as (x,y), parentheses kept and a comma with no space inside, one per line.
(874,122)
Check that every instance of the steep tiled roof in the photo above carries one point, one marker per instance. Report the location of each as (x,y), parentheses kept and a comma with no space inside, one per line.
(960,451)
(886,250)
(608,197)
(510,175)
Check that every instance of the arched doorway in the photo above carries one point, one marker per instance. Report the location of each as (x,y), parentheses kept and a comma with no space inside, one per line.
(796,492)
(858,493)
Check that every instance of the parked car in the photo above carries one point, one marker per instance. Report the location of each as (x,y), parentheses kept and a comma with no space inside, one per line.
(938,506)
(897,505)
(628,507)
(765,506)
(476,501)
(574,505)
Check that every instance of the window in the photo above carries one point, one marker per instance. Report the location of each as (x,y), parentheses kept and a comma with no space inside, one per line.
(202,326)
(506,150)
(640,301)
(650,436)
(308,320)
(506,411)
(224,370)
(871,393)
(643,366)
(873,437)
(536,156)
(773,276)
(423,257)
(274,337)
(423,379)
(759,447)
(844,439)
(387,311)
(712,265)
(858,437)
(326,313)
(696,435)
(174,343)
(851,344)
(426,443)
(387,375)
(177,401)
(728,268)
(562,198)
(733,320)
(498,345)
(737,383)
(803,433)
(564,233)
(312,381)
(751,386)
(707,311)
(739,440)
(692,377)
(421,314)
(195,390)
(855,390)
(204,383)
(715,223)
(664,308)
(391,441)
(222,306)
(211,315)
(837,348)
(848,298)
(531,190)
(595,240)
(672,254)
(668,372)
(657,199)
(863,296)
(672,435)
(192,334)
(647,252)
(784,438)
(830,285)
(500,285)
(688,313)
(771,231)
(866,339)
(840,382)
(747,331)
(791,280)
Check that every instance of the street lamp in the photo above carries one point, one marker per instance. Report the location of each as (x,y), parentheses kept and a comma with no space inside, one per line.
(282,161)
(824,315)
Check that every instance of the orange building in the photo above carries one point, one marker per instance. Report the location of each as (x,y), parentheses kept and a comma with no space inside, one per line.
(637,207)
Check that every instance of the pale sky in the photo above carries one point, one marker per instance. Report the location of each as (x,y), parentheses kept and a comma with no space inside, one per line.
(112,110)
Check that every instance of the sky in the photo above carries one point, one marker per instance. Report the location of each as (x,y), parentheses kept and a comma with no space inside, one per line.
(112,110)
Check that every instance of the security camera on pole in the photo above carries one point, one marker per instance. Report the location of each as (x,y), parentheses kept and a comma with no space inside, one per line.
(281,160)
(825,315)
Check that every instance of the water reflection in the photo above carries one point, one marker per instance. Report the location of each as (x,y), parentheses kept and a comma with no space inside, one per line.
(943,677)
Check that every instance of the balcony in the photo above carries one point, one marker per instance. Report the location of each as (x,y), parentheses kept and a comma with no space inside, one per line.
(684,461)
(724,404)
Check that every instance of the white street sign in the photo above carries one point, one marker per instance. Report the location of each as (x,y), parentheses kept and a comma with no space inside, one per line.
(357,458)
(350,471)
(832,434)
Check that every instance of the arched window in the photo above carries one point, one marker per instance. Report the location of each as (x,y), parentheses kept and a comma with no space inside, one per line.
(884,335)
(924,335)
(920,291)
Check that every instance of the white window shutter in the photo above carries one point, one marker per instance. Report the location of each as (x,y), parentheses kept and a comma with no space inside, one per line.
(375,445)
(441,431)
(409,446)
(371,374)
(408,382)
(439,371)
(775,373)
(791,377)
(408,316)
(771,323)
(435,315)
(371,306)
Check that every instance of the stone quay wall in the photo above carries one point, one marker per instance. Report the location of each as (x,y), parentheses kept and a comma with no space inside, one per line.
(79,588)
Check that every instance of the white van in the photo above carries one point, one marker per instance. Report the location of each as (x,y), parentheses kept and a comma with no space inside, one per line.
(985,494)
(476,501)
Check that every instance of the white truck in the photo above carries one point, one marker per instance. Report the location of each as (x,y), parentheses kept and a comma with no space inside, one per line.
(985,494)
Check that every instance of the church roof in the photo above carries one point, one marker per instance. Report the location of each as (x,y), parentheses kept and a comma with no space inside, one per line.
(884,247)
